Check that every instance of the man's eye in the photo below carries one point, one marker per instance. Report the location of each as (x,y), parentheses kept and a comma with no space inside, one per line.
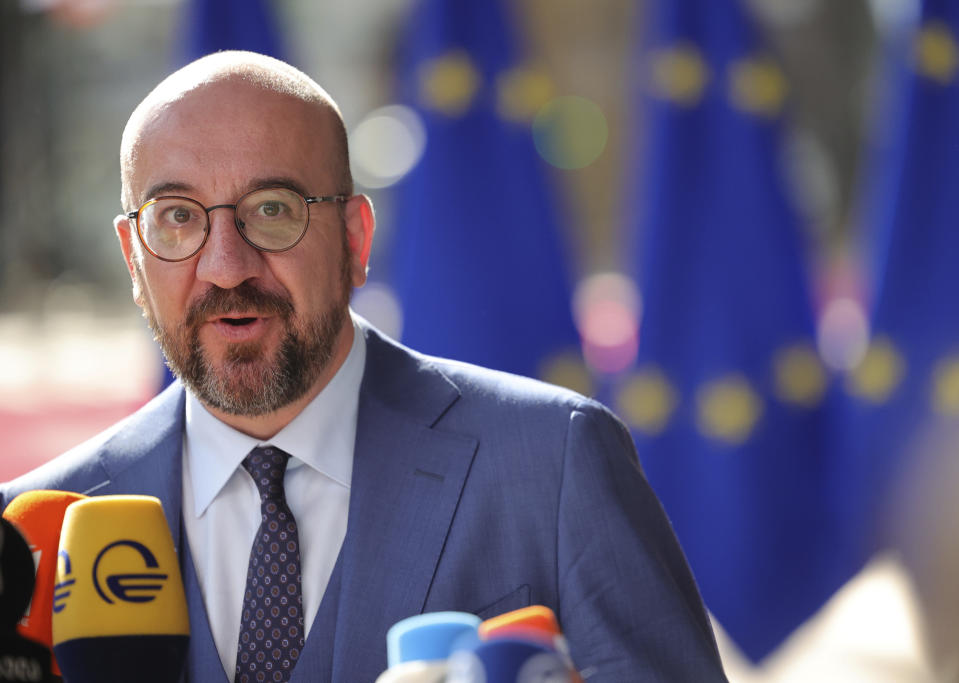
(271,209)
(178,215)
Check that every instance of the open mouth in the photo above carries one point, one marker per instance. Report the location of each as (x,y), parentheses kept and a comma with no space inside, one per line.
(237,322)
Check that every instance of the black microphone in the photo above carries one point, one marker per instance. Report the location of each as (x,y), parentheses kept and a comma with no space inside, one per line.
(21,659)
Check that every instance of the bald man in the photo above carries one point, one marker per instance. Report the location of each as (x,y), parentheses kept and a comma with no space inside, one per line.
(321,481)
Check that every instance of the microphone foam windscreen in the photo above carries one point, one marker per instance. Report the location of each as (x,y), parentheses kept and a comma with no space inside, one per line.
(508,661)
(532,619)
(16,576)
(39,516)
(121,612)
(536,624)
(427,637)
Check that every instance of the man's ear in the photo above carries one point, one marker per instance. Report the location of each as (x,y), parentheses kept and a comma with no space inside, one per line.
(124,230)
(360,225)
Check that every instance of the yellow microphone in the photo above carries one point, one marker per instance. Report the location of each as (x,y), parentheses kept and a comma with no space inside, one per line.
(121,611)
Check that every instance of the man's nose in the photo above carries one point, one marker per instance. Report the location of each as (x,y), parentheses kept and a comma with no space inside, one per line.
(226,259)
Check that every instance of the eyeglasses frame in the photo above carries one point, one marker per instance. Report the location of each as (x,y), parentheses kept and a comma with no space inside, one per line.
(317,199)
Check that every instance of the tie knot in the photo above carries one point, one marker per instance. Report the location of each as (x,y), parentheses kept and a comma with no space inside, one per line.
(267,466)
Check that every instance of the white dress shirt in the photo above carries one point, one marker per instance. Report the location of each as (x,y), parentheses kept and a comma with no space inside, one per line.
(221,506)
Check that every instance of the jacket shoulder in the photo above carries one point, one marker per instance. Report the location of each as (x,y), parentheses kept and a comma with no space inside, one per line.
(90,463)
(398,371)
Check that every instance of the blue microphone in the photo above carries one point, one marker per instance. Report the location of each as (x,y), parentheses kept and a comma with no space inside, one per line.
(417,647)
(509,660)
(428,637)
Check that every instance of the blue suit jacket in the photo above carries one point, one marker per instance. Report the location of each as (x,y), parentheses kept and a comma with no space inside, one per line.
(472,490)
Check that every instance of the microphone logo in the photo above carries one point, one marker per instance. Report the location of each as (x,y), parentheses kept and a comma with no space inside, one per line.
(136,587)
(61,589)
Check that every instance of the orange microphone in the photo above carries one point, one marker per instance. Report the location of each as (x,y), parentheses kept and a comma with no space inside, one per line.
(536,621)
(536,624)
(39,516)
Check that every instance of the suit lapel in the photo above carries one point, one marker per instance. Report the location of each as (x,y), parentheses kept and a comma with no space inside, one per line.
(144,456)
(407,481)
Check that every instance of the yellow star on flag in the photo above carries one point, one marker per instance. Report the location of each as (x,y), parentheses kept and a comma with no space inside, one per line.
(679,74)
(647,401)
(449,83)
(728,409)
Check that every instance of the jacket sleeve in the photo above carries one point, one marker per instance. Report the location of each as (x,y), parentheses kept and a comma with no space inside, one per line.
(629,606)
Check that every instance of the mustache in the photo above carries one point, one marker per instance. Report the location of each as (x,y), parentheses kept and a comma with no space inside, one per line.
(245,297)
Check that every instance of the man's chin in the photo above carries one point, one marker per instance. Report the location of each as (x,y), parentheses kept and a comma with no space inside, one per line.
(240,356)
(239,388)
(253,377)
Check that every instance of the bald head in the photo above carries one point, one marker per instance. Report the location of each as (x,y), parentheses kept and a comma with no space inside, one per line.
(233,69)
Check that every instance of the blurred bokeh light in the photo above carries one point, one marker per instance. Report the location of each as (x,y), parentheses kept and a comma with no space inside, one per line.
(570,132)
(385,145)
(842,334)
(377,302)
(607,309)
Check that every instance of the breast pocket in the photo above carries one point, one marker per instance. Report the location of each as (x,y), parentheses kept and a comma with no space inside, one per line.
(517,598)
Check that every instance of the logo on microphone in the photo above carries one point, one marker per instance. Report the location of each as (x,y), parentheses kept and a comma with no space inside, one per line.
(61,589)
(128,587)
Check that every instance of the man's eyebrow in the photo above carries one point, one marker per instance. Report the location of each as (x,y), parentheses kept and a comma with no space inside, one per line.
(278,181)
(167,188)
(185,189)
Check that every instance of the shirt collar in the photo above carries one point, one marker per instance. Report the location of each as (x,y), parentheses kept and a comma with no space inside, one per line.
(322,436)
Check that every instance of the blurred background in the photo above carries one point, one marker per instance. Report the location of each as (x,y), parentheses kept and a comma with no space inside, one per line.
(731,221)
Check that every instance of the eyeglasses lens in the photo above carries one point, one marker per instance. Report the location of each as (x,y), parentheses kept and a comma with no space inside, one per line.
(172,227)
(272,219)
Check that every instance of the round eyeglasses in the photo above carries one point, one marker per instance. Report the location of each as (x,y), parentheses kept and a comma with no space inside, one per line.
(271,219)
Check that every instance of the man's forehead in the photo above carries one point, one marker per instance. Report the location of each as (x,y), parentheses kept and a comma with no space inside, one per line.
(219,170)
(248,95)
(229,117)
(227,101)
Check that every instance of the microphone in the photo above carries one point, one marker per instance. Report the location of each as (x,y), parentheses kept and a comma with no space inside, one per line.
(536,622)
(417,647)
(120,611)
(39,515)
(521,646)
(428,637)
(509,660)
(21,659)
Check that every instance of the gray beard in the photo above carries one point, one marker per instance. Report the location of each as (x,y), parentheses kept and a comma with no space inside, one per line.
(248,383)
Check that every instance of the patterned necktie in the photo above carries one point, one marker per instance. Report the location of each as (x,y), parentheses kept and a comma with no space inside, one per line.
(271,628)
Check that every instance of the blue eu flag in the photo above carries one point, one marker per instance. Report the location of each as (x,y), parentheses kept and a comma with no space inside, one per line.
(907,385)
(212,25)
(477,257)
(727,397)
